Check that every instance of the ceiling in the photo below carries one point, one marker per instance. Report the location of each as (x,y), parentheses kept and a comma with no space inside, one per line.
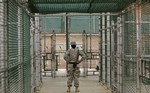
(77,6)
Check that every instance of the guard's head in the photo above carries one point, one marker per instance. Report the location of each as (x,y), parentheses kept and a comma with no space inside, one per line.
(73,44)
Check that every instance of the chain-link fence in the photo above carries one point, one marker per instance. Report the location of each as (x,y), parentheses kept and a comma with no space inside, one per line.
(18,50)
(132,77)
(145,36)
(76,24)
(48,24)
(16,67)
(129,50)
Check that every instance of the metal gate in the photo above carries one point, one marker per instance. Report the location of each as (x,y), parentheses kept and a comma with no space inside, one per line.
(110,50)
(49,54)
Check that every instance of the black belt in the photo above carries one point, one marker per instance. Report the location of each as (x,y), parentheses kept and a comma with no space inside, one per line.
(74,64)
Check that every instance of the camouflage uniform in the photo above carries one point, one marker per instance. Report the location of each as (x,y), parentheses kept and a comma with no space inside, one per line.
(71,56)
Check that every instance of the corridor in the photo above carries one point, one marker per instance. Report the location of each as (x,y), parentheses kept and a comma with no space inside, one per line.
(88,84)
(113,37)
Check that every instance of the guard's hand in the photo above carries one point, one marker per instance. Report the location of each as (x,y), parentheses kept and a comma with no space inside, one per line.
(78,62)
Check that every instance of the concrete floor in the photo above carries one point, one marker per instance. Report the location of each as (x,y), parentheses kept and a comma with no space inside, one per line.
(62,73)
(89,84)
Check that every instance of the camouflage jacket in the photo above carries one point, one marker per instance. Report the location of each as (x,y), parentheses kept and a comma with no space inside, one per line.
(72,55)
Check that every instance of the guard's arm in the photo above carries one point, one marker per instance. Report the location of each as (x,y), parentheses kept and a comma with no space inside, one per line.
(66,56)
(83,56)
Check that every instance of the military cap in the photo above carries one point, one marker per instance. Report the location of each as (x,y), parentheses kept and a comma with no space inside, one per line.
(73,43)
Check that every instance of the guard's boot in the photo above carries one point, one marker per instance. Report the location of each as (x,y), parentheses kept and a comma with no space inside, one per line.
(77,89)
(69,89)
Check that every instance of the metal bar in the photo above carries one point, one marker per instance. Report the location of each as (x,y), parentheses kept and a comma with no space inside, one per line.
(40,38)
(103,51)
(112,55)
(71,34)
(45,35)
(84,40)
(52,74)
(67,36)
(90,30)
(122,49)
(134,56)
(53,49)
(75,14)
(108,27)
(135,22)
(108,51)
(32,56)
(119,53)
(138,33)
(67,33)
(20,50)
(128,9)
(86,52)
(100,46)
(37,52)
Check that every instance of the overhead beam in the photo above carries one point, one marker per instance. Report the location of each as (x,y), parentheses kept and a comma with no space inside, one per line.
(78,1)
(74,14)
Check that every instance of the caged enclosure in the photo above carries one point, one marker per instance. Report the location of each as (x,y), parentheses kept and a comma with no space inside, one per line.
(114,35)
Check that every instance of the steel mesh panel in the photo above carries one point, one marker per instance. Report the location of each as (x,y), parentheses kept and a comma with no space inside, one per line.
(2,49)
(114,60)
(12,35)
(42,24)
(14,74)
(76,24)
(79,23)
(145,28)
(26,53)
(48,24)
(130,48)
(18,50)
(130,34)
(129,76)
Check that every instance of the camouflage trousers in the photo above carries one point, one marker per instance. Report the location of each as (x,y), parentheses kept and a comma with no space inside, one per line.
(73,75)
